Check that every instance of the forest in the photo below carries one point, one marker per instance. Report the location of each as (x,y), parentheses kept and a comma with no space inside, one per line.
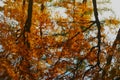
(58,40)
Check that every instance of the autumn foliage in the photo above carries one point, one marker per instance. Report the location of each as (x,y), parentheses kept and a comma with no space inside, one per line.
(39,46)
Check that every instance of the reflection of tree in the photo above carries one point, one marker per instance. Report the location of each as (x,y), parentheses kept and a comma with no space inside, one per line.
(98,35)
(36,49)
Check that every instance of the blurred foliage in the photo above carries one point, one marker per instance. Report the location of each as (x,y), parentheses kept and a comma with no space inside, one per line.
(59,47)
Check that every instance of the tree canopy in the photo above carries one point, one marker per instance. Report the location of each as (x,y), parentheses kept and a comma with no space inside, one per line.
(57,40)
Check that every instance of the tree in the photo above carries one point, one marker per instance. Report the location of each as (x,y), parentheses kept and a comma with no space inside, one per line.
(44,47)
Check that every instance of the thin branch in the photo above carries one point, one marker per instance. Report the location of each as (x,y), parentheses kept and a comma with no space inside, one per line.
(91,67)
(89,26)
(77,66)
(117,40)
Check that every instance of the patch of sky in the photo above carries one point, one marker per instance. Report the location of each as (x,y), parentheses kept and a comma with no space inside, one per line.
(11,22)
(68,73)
(1,17)
(75,61)
(87,78)
(112,12)
(43,57)
(1,3)
(57,12)
(1,48)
